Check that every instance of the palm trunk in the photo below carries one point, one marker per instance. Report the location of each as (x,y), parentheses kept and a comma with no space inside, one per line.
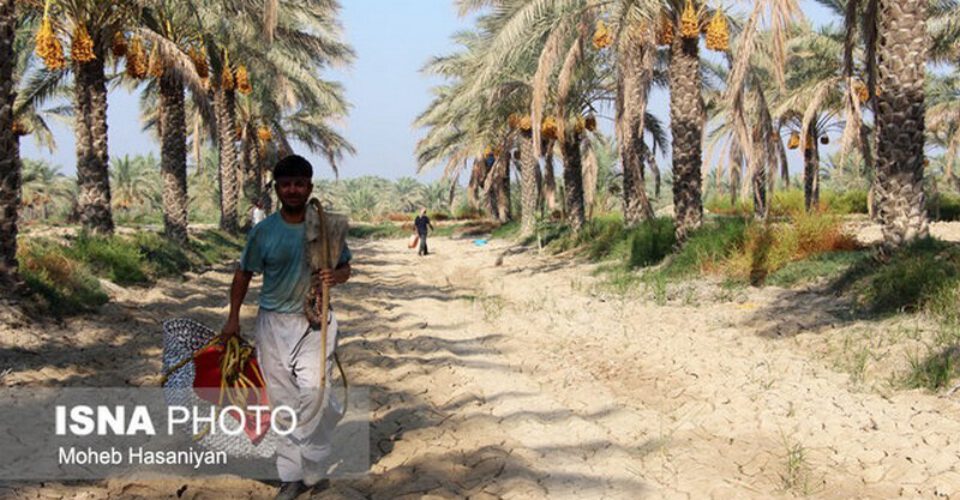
(811,170)
(489,192)
(90,123)
(474,186)
(503,185)
(528,187)
(173,157)
(651,162)
(549,181)
(901,58)
(10,174)
(631,109)
(573,181)
(246,165)
(759,188)
(736,167)
(686,116)
(257,161)
(226,135)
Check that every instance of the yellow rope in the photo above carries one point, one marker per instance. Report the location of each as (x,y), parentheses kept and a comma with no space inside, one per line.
(235,387)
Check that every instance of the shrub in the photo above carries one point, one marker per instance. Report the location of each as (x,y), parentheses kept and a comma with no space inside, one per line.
(114,258)
(769,247)
(379,231)
(707,247)
(945,207)
(787,202)
(163,256)
(65,285)
(916,277)
(467,213)
(398,217)
(853,201)
(651,242)
(506,231)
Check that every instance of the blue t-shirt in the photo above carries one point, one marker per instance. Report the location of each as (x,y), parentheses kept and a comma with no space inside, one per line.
(276,248)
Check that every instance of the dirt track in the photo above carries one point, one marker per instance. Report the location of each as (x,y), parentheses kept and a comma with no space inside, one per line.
(522,381)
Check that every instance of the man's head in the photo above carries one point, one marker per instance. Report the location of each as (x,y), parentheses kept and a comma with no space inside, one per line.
(291,178)
(423,211)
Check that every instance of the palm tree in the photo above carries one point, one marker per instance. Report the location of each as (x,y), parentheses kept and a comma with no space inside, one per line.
(943,121)
(45,187)
(9,148)
(135,183)
(91,27)
(293,102)
(635,55)
(407,194)
(172,29)
(686,123)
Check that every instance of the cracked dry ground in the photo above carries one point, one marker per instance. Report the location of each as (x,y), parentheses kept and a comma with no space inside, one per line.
(520,381)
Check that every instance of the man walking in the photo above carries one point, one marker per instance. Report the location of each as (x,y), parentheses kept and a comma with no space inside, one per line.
(288,349)
(422,222)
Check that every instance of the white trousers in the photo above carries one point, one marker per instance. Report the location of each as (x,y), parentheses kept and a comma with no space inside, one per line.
(289,356)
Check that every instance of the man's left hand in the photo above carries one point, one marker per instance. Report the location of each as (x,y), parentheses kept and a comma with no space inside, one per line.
(328,276)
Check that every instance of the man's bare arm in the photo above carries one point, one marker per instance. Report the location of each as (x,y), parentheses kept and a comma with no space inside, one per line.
(238,291)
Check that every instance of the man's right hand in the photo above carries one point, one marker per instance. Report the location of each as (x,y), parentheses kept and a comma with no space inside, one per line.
(231,328)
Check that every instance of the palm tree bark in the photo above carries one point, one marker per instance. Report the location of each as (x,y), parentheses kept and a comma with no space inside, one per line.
(686,117)
(549,180)
(173,157)
(224,101)
(528,187)
(901,60)
(90,125)
(573,180)
(651,162)
(474,187)
(10,168)
(488,191)
(632,84)
(503,185)
(811,170)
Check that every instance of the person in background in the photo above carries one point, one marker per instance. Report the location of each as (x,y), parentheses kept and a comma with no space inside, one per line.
(257,213)
(422,222)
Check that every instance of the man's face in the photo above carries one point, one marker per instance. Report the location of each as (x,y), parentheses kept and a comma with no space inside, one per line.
(294,191)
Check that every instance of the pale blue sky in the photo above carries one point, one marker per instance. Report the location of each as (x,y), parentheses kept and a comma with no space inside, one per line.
(393,39)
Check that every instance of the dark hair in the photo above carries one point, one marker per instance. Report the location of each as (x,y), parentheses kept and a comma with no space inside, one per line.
(293,166)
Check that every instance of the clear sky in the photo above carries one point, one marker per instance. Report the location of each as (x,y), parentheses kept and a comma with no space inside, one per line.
(393,39)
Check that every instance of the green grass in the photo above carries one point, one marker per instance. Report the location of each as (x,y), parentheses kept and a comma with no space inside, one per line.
(714,242)
(935,371)
(64,278)
(61,285)
(915,278)
(924,278)
(507,231)
(824,266)
(384,230)
(205,249)
(115,258)
(790,201)
(945,207)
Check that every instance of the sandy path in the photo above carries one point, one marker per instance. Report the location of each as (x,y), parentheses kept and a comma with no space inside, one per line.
(519,381)
(559,392)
